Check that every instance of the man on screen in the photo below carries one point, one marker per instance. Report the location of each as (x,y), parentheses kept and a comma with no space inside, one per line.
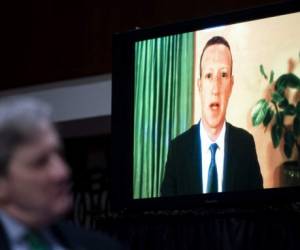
(212,156)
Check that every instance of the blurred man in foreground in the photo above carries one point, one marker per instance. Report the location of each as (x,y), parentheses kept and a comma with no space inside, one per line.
(35,184)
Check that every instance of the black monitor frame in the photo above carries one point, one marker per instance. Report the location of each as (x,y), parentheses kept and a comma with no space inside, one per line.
(122,118)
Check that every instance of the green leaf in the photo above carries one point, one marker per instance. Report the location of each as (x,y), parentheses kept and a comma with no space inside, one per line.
(280,88)
(276,133)
(268,117)
(283,103)
(279,118)
(262,71)
(277,97)
(259,112)
(288,80)
(271,77)
(296,126)
(280,84)
(289,142)
(290,109)
(293,81)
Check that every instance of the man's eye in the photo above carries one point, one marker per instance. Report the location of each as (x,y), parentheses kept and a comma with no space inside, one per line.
(208,76)
(41,161)
(224,74)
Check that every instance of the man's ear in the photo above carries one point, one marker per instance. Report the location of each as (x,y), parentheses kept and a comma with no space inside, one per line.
(3,189)
(232,82)
(199,84)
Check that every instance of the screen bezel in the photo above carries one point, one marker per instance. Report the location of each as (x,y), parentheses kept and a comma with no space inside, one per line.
(123,116)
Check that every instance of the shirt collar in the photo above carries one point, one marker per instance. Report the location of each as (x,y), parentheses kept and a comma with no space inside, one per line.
(207,141)
(15,229)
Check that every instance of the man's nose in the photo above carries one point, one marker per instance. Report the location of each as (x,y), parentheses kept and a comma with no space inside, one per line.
(60,170)
(216,83)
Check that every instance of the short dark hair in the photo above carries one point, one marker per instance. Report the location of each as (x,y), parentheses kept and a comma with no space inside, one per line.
(20,119)
(215,40)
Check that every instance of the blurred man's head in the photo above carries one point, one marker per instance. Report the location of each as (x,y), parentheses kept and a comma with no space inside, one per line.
(34,179)
(215,84)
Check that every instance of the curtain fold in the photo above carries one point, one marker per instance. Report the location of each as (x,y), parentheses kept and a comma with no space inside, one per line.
(163,105)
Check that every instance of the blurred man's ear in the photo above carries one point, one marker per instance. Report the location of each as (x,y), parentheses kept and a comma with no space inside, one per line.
(199,84)
(3,189)
(232,82)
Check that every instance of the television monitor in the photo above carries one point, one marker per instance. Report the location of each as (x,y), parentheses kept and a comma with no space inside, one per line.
(229,80)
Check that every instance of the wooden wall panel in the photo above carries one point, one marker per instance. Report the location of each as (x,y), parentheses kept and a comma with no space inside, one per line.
(54,40)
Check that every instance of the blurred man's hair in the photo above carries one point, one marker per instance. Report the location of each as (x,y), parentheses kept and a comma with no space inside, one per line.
(213,41)
(20,119)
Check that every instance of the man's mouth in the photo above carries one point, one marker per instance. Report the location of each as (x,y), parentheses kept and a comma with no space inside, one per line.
(214,106)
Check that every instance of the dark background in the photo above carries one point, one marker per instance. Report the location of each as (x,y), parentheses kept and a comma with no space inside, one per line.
(52,40)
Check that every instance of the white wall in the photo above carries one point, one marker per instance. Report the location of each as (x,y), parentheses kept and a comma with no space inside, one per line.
(272,42)
(72,99)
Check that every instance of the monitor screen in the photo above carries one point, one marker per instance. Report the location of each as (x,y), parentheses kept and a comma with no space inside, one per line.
(213,105)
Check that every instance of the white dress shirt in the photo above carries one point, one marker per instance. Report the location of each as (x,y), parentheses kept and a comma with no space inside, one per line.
(206,156)
(16,232)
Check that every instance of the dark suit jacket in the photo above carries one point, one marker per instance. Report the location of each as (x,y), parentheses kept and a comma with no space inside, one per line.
(183,173)
(73,238)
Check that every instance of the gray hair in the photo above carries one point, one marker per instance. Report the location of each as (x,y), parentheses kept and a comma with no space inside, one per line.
(20,119)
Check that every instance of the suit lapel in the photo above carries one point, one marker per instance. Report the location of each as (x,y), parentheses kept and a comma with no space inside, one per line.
(61,233)
(228,179)
(65,237)
(196,170)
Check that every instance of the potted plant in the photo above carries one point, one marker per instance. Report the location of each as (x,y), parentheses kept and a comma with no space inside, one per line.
(275,110)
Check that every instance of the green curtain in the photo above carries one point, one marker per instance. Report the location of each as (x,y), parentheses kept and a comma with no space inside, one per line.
(163,105)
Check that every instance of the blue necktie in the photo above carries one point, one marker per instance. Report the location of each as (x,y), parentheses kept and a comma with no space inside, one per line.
(212,181)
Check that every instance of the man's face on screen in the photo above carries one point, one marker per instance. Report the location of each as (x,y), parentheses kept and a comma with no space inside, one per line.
(215,85)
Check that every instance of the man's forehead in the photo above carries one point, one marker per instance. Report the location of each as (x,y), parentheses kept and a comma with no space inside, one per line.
(216,53)
(46,137)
